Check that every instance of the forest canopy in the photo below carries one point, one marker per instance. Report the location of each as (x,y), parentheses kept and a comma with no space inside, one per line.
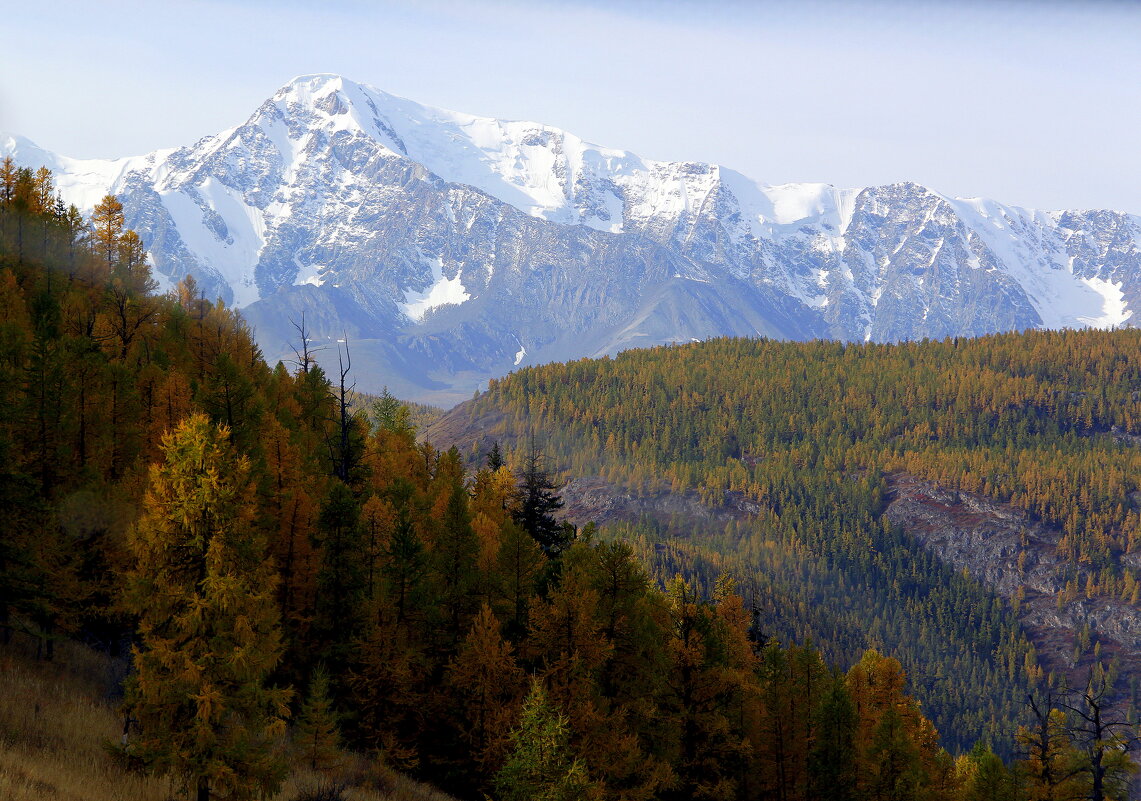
(291,573)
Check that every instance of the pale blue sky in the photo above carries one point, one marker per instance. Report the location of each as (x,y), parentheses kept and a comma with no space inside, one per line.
(1032,103)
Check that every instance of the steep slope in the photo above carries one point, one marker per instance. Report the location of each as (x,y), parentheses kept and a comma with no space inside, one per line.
(969,506)
(1017,556)
(451,248)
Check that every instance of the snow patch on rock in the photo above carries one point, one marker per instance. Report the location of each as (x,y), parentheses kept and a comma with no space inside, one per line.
(443,291)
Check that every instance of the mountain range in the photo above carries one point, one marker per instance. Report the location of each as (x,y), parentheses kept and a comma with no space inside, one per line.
(444,249)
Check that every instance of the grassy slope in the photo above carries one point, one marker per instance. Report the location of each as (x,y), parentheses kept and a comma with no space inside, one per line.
(56,717)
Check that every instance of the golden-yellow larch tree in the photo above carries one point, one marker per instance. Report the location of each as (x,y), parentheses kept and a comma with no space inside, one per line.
(108,224)
(485,675)
(209,634)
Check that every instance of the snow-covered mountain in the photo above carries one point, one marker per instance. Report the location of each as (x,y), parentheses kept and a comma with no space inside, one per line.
(450,248)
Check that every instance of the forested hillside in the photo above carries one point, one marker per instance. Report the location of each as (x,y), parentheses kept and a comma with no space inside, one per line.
(791,447)
(290,581)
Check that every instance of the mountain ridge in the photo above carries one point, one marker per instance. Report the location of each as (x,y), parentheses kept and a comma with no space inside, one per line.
(450,248)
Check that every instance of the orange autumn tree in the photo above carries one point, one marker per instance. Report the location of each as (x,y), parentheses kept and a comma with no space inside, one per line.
(209,633)
(108,224)
(489,682)
(898,752)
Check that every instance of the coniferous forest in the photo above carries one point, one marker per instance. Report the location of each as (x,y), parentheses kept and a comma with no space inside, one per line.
(292,580)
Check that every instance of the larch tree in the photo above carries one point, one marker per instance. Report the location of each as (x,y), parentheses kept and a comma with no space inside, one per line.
(403,561)
(540,766)
(316,739)
(701,684)
(519,564)
(209,634)
(108,224)
(16,505)
(1051,766)
(7,181)
(485,675)
(454,558)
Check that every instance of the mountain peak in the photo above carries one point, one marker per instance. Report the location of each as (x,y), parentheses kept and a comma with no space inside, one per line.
(475,240)
(25,151)
(324,102)
(312,84)
(324,92)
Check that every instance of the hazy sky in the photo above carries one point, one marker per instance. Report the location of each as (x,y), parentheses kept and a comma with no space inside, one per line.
(1032,102)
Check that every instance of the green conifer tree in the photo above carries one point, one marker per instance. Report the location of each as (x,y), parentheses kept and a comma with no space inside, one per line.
(537,502)
(832,758)
(390,414)
(341,581)
(316,740)
(495,458)
(990,780)
(540,767)
(896,759)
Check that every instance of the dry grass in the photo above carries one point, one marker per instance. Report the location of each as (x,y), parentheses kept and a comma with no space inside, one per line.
(55,719)
(378,786)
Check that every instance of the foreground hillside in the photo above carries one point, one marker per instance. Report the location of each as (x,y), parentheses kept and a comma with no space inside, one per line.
(61,721)
(785,462)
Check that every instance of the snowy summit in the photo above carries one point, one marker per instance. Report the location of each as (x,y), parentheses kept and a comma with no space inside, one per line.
(453,248)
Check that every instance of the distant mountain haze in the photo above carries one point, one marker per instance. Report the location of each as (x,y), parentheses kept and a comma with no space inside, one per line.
(449,249)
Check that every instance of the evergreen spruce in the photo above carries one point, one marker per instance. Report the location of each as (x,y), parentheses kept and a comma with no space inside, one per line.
(538,500)
(832,758)
(494,458)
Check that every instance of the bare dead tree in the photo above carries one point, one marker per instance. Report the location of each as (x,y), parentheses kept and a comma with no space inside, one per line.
(1102,735)
(304,356)
(343,448)
(1044,746)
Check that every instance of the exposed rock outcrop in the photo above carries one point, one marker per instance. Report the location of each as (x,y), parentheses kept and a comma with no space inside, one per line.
(1016,556)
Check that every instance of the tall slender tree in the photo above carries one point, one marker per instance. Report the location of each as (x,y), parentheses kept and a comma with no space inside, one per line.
(108,223)
(832,757)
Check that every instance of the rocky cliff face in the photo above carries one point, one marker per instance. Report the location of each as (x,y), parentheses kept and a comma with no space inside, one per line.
(1015,556)
(999,545)
(449,248)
